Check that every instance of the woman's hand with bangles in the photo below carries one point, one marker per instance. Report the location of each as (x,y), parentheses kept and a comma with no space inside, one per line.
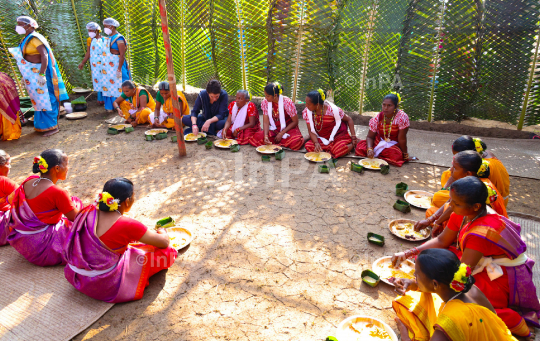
(398,258)
(370,153)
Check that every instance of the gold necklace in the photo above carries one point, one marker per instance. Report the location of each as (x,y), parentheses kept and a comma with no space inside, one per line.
(387,138)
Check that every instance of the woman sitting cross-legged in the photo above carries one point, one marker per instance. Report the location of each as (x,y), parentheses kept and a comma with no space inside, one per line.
(42,212)
(163,116)
(111,257)
(243,121)
(135,104)
(387,136)
(492,246)
(7,187)
(280,120)
(458,311)
(327,125)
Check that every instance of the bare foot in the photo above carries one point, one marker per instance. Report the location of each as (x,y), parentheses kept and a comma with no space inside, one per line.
(532,336)
(51,132)
(402,330)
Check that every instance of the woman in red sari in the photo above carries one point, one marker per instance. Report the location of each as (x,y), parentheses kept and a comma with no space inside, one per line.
(7,187)
(243,120)
(491,245)
(280,120)
(42,212)
(327,126)
(387,136)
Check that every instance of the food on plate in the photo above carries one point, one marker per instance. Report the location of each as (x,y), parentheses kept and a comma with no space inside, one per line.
(406,230)
(365,331)
(385,270)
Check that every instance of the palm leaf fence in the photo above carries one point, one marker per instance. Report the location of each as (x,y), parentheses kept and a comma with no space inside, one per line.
(449,59)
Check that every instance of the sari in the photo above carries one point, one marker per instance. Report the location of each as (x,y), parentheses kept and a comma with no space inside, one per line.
(338,147)
(245,135)
(10,109)
(38,242)
(166,116)
(391,152)
(108,98)
(7,187)
(143,115)
(46,100)
(423,313)
(106,275)
(504,274)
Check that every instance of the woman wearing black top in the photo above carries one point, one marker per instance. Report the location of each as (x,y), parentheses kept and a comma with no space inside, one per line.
(214,104)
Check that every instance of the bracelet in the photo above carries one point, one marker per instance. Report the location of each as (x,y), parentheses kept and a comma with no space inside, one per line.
(412,252)
(42,74)
(370,149)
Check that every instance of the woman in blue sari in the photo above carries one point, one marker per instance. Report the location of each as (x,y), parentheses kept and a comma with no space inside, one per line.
(118,47)
(42,77)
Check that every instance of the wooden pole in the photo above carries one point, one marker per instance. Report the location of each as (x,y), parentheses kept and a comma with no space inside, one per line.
(177,111)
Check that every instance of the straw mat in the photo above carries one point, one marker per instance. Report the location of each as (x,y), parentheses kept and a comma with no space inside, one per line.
(39,304)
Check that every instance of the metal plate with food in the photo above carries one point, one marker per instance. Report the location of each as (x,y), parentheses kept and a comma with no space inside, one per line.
(224,143)
(318,157)
(384,269)
(155,131)
(420,199)
(374,164)
(404,229)
(269,149)
(192,138)
(76,115)
(120,127)
(364,328)
(180,237)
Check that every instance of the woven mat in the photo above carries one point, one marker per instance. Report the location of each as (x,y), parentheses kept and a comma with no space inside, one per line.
(530,232)
(39,304)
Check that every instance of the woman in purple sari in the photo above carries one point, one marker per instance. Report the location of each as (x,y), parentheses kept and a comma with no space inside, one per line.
(41,212)
(111,257)
(7,187)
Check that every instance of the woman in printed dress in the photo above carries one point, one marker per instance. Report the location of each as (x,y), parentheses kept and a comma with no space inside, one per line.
(327,126)
(387,136)
(280,120)
(94,32)
(7,187)
(243,120)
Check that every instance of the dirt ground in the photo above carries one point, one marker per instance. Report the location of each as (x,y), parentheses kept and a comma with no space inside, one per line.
(278,247)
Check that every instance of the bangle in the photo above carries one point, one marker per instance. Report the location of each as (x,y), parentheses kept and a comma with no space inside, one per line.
(370,149)
(412,252)
(42,74)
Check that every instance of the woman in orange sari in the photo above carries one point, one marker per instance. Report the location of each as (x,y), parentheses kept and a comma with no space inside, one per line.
(280,120)
(458,310)
(492,247)
(10,109)
(387,136)
(135,104)
(498,174)
(327,125)
(7,187)
(466,163)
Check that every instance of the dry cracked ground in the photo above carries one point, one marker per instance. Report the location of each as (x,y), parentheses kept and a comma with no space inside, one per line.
(278,247)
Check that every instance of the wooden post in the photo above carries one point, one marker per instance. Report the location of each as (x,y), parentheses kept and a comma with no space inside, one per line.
(172,79)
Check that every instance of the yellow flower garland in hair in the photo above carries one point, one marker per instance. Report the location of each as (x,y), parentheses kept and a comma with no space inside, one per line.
(398,96)
(43,166)
(321,92)
(108,200)
(484,168)
(461,277)
(279,87)
(492,194)
(478,145)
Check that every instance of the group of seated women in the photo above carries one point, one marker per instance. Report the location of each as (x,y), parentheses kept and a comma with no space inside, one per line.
(106,255)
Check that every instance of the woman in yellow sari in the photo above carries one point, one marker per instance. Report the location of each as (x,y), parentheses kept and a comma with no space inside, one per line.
(458,311)
(135,104)
(10,109)
(163,115)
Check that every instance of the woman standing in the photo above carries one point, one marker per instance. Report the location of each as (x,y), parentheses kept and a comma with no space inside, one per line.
(280,120)
(387,136)
(10,108)
(7,187)
(95,44)
(118,47)
(41,75)
(327,126)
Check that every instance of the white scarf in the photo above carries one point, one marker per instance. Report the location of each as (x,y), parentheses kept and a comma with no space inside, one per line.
(237,117)
(493,266)
(281,116)
(335,111)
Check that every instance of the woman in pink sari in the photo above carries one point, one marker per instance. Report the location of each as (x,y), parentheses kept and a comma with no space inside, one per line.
(111,257)
(10,113)
(7,187)
(41,212)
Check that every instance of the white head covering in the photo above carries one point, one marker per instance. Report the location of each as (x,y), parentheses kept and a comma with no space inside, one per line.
(111,21)
(93,26)
(27,20)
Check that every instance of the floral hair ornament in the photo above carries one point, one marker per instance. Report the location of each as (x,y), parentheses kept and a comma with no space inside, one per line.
(276,84)
(461,277)
(398,96)
(321,92)
(109,200)
(43,166)
(492,194)
(478,145)
(483,170)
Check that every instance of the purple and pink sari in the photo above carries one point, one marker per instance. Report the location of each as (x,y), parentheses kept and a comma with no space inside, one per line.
(4,227)
(38,242)
(97,271)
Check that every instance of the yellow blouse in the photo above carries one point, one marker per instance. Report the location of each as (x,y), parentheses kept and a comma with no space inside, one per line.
(31,47)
